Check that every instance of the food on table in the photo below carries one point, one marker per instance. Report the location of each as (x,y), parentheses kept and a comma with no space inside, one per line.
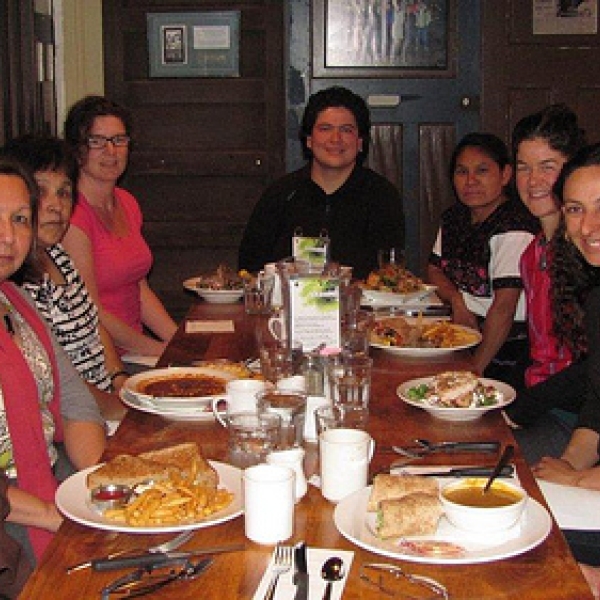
(456,389)
(398,331)
(183,386)
(172,486)
(414,514)
(431,548)
(386,486)
(394,279)
(223,278)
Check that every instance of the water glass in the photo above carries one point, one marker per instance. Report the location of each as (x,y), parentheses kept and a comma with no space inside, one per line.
(258,294)
(290,405)
(345,416)
(349,379)
(252,436)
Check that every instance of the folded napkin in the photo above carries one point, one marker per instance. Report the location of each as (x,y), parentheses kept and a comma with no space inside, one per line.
(286,590)
(209,326)
(572,507)
(140,359)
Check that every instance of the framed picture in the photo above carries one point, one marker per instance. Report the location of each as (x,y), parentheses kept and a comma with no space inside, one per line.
(383,38)
(200,44)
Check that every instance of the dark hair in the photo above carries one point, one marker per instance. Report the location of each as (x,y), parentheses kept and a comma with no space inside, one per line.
(572,276)
(9,166)
(556,124)
(82,114)
(336,97)
(491,145)
(44,153)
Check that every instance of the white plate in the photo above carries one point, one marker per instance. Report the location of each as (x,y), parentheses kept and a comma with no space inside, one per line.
(72,499)
(430,352)
(202,413)
(454,413)
(174,402)
(357,525)
(212,296)
(391,299)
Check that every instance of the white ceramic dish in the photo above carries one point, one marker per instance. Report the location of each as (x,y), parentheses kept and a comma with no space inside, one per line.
(169,403)
(453,413)
(213,296)
(202,413)
(357,525)
(391,299)
(430,352)
(73,500)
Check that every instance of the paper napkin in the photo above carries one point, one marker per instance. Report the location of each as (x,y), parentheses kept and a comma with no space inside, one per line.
(286,590)
(209,326)
(572,507)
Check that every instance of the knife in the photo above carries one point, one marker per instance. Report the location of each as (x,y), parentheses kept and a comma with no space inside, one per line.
(301,574)
(507,471)
(156,559)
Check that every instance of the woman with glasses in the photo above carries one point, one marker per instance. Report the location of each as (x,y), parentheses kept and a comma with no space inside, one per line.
(44,404)
(104,238)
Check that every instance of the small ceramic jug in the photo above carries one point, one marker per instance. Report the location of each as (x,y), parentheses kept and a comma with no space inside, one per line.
(293,459)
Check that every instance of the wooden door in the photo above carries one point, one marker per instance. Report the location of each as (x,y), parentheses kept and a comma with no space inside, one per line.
(204,147)
(524,71)
(411,141)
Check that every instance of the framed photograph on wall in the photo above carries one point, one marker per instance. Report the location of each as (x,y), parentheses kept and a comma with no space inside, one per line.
(383,38)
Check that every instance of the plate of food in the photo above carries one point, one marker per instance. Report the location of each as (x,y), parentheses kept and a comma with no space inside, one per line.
(421,336)
(179,387)
(456,395)
(401,517)
(191,415)
(394,284)
(224,286)
(170,490)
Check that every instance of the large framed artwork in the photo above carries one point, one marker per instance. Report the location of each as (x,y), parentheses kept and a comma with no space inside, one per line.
(383,38)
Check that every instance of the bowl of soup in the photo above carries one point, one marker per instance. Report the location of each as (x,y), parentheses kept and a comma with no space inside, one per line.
(467,507)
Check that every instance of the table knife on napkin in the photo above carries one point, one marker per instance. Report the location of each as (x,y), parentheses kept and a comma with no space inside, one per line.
(507,471)
(156,559)
(301,574)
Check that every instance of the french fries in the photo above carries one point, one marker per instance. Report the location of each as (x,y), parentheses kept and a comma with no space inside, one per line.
(444,334)
(172,502)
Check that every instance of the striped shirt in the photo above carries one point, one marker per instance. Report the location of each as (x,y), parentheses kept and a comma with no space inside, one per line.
(73,318)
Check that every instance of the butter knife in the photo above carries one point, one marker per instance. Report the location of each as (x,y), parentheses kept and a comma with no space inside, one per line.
(156,559)
(301,574)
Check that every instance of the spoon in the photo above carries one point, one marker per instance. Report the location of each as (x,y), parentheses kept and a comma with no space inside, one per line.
(504,460)
(332,570)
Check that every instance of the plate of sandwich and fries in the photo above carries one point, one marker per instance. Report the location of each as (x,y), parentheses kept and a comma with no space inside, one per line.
(167,490)
(421,336)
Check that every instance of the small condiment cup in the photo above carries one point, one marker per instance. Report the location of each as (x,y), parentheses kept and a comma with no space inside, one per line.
(110,496)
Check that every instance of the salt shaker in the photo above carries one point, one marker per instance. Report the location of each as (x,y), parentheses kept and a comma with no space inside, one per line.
(292,459)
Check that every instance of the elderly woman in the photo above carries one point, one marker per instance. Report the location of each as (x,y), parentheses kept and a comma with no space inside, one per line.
(44,401)
(475,259)
(104,238)
(55,285)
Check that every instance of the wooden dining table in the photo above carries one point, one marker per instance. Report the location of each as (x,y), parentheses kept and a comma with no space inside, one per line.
(545,572)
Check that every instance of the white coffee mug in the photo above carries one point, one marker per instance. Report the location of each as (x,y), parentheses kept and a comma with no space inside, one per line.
(345,455)
(241,397)
(269,497)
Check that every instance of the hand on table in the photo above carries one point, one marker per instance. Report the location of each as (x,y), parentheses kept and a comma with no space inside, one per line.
(556,470)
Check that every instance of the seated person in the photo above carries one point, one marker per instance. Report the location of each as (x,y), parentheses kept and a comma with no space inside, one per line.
(44,400)
(55,285)
(359,210)
(475,258)
(105,239)
(579,188)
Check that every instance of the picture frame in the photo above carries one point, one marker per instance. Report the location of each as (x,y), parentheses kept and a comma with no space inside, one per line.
(383,38)
(199,44)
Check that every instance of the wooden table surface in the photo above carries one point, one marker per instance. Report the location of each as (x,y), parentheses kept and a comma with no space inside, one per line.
(545,573)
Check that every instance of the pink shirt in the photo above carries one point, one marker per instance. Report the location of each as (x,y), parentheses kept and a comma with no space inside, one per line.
(119,262)
(547,355)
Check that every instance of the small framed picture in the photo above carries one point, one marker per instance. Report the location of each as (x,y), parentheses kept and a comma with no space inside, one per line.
(174,44)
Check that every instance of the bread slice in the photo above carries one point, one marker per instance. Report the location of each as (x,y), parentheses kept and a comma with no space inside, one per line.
(397,486)
(414,514)
(155,465)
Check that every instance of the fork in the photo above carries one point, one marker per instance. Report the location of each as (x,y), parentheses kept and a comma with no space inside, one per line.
(167,546)
(282,563)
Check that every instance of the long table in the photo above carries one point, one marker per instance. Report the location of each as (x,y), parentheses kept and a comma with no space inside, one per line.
(547,572)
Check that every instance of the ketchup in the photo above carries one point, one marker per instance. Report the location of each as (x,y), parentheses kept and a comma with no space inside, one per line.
(110,494)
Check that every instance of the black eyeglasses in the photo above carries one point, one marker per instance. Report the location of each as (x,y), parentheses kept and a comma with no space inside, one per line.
(393,581)
(97,142)
(145,581)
